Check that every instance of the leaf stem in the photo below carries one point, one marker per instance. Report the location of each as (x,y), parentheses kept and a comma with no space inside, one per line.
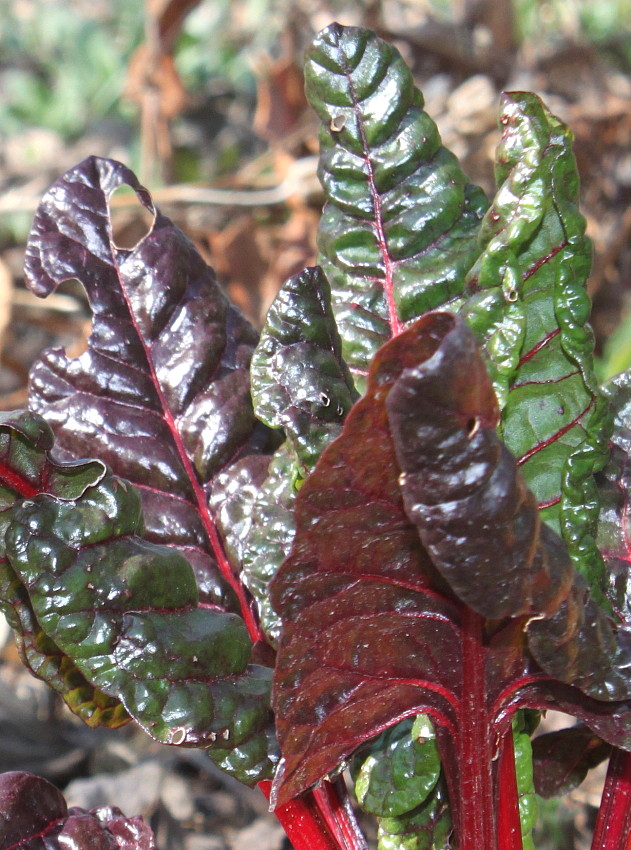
(304,823)
(613,826)
(508,822)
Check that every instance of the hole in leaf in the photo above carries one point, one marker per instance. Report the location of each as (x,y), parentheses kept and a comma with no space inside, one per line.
(326,401)
(473,426)
(131,221)
(338,122)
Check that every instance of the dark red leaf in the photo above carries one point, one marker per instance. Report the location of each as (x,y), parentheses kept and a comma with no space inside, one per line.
(376,629)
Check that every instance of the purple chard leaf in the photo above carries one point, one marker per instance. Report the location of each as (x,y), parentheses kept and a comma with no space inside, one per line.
(34,816)
(162,393)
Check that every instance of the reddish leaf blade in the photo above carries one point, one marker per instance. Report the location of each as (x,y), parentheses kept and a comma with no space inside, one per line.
(162,393)
(34,816)
(373,628)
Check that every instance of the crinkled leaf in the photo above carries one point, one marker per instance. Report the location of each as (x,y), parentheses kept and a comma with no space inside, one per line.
(398,232)
(397,771)
(264,539)
(162,392)
(563,758)
(530,307)
(299,383)
(427,827)
(126,612)
(527,799)
(375,629)
(34,816)
(614,483)
(45,659)
(26,467)
(479,522)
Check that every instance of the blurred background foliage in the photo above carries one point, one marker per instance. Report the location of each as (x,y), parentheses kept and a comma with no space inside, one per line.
(204,99)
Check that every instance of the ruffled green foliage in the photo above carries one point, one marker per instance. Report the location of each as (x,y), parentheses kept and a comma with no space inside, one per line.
(397,771)
(614,489)
(398,232)
(428,827)
(396,780)
(525,783)
(530,308)
(112,621)
(300,383)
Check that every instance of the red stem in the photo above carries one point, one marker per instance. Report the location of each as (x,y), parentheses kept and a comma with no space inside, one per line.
(475,802)
(303,822)
(613,826)
(508,823)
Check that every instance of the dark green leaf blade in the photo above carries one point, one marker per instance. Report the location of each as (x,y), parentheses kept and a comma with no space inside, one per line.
(397,771)
(614,487)
(126,612)
(530,308)
(301,384)
(398,232)
(26,467)
(428,827)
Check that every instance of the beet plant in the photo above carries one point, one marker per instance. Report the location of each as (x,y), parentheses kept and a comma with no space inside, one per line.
(383,536)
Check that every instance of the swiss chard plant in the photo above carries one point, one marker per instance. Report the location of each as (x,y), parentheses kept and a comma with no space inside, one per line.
(385,535)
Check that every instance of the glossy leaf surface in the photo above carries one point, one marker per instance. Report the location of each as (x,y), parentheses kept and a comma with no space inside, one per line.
(398,232)
(34,816)
(125,610)
(375,628)
(301,384)
(397,771)
(26,469)
(427,827)
(162,393)
(530,307)
(614,483)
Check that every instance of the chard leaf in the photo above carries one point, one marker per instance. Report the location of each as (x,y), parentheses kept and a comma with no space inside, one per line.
(25,470)
(562,759)
(614,529)
(34,816)
(427,827)
(301,384)
(162,392)
(527,799)
(530,308)
(126,612)
(384,619)
(397,771)
(398,232)
(26,467)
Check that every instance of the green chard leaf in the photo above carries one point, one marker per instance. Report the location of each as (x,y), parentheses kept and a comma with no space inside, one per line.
(530,308)
(525,782)
(428,827)
(300,383)
(614,484)
(398,232)
(112,621)
(25,470)
(397,771)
